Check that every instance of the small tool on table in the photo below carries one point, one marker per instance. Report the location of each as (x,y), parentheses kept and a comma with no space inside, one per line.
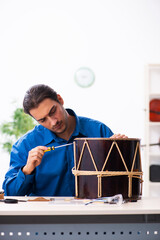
(117,199)
(12,200)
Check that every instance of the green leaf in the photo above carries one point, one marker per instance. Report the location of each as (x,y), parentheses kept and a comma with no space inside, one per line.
(20,124)
(7,146)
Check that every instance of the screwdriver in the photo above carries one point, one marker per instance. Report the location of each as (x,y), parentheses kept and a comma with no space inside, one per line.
(53,148)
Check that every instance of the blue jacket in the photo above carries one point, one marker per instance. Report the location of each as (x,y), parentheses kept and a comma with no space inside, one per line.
(53,177)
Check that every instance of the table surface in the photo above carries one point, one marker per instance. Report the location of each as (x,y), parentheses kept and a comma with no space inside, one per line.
(71,206)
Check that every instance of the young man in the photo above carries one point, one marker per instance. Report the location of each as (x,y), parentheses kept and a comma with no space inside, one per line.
(35,171)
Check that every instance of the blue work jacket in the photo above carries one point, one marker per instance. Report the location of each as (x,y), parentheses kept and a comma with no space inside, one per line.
(53,177)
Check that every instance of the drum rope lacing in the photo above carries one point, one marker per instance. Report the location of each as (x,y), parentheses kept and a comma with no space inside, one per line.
(131,174)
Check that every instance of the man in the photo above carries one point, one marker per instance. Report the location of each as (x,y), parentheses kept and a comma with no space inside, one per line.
(34,170)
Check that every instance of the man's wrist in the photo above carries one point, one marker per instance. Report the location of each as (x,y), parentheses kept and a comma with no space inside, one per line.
(26,171)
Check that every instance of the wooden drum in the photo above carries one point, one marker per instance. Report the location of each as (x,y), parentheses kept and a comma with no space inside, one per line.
(105,167)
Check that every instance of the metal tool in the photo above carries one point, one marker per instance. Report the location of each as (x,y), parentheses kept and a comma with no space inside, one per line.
(117,199)
(53,148)
(12,200)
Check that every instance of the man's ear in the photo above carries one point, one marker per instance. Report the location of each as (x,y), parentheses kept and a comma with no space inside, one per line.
(60,99)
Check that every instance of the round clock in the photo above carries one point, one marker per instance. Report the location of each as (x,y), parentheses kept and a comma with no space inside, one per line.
(84,77)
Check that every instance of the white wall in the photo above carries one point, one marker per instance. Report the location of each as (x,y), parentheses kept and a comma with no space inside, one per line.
(47,41)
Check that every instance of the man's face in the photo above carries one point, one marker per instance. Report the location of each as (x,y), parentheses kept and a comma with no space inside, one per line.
(51,115)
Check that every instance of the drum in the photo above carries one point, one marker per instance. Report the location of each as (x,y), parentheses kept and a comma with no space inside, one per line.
(105,167)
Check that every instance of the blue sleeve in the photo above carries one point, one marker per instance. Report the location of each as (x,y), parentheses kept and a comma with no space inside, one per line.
(106,132)
(16,183)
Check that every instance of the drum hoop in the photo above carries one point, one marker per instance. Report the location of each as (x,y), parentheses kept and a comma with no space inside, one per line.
(109,139)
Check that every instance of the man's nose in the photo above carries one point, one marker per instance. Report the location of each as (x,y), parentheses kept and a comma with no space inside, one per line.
(52,121)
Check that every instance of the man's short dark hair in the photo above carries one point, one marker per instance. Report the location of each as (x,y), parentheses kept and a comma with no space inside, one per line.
(36,94)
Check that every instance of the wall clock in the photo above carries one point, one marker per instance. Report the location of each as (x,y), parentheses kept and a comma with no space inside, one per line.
(84,77)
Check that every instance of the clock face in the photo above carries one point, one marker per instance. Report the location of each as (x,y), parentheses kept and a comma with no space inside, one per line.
(84,77)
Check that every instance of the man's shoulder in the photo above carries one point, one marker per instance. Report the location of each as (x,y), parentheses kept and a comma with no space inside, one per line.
(37,131)
(89,121)
(93,128)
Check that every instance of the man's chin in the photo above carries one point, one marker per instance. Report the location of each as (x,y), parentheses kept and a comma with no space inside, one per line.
(59,132)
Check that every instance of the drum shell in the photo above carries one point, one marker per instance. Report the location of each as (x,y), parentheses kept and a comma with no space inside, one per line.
(99,149)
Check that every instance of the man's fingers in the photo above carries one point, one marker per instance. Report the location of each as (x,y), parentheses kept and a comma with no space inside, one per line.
(119,136)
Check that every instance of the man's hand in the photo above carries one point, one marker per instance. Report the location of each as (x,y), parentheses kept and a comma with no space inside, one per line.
(34,159)
(119,136)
